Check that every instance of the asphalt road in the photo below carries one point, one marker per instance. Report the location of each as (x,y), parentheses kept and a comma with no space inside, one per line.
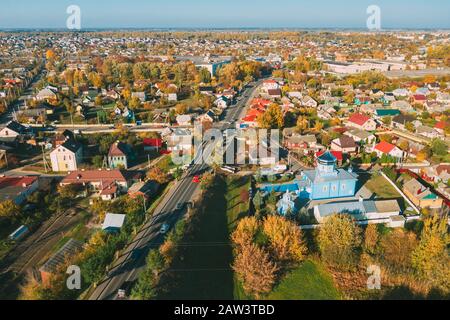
(132,261)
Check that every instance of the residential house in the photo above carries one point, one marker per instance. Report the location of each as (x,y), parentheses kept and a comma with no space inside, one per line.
(362,137)
(401,120)
(307,101)
(67,156)
(118,155)
(421,196)
(108,184)
(12,131)
(142,96)
(362,122)
(300,143)
(428,132)
(184,120)
(48,94)
(17,189)
(345,144)
(179,140)
(386,148)
(418,99)
(152,144)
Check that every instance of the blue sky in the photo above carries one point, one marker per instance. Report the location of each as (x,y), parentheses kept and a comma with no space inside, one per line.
(225,14)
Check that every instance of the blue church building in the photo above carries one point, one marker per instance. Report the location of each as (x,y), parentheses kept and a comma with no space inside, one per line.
(327,181)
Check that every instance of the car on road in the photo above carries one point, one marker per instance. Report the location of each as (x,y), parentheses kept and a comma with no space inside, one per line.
(196,179)
(164,228)
(180,206)
(125,291)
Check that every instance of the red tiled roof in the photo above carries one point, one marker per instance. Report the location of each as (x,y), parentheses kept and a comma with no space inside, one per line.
(442,125)
(385,147)
(337,154)
(116,150)
(153,143)
(94,176)
(420,97)
(250,118)
(6,182)
(359,119)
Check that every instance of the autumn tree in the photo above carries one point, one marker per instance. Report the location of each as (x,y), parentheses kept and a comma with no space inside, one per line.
(285,239)
(371,238)
(397,247)
(431,258)
(272,118)
(245,232)
(158,175)
(9,209)
(255,270)
(339,240)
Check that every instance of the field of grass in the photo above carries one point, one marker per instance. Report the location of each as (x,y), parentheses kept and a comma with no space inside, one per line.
(381,188)
(201,270)
(310,281)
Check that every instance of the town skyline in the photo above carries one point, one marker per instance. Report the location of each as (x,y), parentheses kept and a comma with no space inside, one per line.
(348,14)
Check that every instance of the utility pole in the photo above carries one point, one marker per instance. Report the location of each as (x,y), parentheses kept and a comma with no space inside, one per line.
(46,166)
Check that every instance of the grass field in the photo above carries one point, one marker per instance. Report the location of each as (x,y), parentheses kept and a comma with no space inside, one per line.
(310,281)
(381,188)
(202,268)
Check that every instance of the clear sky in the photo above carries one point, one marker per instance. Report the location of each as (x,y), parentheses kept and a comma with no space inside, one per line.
(225,13)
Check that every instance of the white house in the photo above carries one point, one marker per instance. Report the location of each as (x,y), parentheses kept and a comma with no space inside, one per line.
(362,122)
(67,156)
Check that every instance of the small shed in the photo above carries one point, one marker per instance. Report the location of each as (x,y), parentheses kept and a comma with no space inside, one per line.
(113,222)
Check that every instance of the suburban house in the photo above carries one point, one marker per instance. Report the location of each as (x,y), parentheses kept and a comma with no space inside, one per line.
(386,148)
(107,183)
(361,136)
(184,120)
(118,155)
(421,196)
(142,96)
(401,120)
(270,85)
(48,94)
(12,130)
(152,144)
(300,143)
(345,144)
(17,189)
(180,140)
(67,156)
(362,122)
(418,99)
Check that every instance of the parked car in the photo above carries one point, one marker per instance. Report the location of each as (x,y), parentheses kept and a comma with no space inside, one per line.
(164,228)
